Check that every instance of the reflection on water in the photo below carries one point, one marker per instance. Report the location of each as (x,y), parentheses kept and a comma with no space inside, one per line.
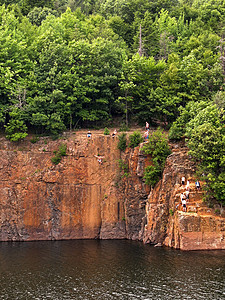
(108,270)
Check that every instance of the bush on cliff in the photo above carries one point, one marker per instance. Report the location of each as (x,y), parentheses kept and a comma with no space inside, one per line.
(135,139)
(122,144)
(203,125)
(58,154)
(159,149)
(152,175)
(106,131)
(206,142)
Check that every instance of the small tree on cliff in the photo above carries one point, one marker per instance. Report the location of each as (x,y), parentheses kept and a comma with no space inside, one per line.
(122,144)
(159,149)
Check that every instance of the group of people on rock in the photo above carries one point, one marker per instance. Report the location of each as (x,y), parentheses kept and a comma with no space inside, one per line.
(184,197)
(89,134)
(99,158)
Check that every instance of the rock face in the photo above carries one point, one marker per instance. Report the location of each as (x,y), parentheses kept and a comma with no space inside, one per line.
(81,198)
(77,199)
(199,228)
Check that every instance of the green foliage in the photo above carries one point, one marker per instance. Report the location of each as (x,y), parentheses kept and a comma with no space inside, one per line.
(124,127)
(124,168)
(63,67)
(58,154)
(39,14)
(106,131)
(203,124)
(15,130)
(135,139)
(34,139)
(178,128)
(62,149)
(207,147)
(171,212)
(159,149)
(152,175)
(122,144)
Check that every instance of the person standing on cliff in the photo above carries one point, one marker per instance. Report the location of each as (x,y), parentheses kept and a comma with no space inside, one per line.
(183,180)
(146,135)
(147,126)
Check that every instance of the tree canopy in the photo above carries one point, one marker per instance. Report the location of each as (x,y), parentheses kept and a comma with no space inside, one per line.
(67,63)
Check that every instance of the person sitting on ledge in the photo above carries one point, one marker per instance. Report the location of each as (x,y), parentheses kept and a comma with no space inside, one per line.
(184,204)
(99,158)
(114,133)
(197,184)
(89,134)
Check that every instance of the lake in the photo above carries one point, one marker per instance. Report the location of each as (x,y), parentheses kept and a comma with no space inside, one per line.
(93,269)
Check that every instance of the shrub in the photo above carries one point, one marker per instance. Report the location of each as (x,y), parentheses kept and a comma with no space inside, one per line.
(135,139)
(124,168)
(124,127)
(56,159)
(106,131)
(176,131)
(58,154)
(171,212)
(122,144)
(34,139)
(178,128)
(62,149)
(159,149)
(152,175)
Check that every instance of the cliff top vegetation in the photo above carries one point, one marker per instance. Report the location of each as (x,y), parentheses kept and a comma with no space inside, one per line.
(66,64)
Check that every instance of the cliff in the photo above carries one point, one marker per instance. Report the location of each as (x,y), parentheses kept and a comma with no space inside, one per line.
(77,199)
(200,228)
(81,198)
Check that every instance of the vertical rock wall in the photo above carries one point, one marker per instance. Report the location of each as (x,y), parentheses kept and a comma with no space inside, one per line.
(82,199)
(76,199)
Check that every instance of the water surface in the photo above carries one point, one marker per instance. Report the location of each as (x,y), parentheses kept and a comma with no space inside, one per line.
(93,269)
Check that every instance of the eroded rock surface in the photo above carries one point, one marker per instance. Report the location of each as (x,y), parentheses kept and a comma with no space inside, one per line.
(197,229)
(82,199)
(78,198)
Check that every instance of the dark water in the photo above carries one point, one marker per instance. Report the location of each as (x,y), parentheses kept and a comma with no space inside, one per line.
(108,270)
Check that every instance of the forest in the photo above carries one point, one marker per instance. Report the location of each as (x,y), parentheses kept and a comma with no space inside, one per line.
(66,64)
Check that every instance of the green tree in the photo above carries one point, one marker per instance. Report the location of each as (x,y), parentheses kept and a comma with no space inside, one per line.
(158,148)
(15,130)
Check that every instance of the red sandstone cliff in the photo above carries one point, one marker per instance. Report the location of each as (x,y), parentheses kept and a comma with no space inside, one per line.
(80,198)
(76,199)
(197,229)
